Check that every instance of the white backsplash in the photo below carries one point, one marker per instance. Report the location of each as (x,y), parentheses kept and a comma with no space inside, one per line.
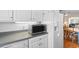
(5,27)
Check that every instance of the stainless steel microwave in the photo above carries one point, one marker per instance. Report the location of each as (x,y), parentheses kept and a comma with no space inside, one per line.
(38,28)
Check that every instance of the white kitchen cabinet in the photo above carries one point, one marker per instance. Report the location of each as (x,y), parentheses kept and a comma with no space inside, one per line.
(47,14)
(20,44)
(6,16)
(39,42)
(36,42)
(22,15)
(37,15)
(26,43)
(44,41)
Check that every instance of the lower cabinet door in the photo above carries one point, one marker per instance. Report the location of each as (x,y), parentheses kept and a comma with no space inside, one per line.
(20,44)
(35,45)
(26,44)
(33,42)
(39,42)
(43,43)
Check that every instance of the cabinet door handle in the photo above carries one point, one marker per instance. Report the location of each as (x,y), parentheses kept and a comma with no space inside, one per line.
(33,18)
(11,17)
(7,47)
(43,14)
(40,38)
(40,44)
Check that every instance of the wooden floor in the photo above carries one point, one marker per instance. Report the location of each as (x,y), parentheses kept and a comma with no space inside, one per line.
(69,44)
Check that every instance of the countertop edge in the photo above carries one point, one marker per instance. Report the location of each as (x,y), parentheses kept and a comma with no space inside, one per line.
(22,39)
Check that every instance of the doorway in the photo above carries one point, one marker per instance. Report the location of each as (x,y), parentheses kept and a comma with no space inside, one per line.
(71,28)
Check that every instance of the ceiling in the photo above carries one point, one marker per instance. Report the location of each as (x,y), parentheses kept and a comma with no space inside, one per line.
(70,12)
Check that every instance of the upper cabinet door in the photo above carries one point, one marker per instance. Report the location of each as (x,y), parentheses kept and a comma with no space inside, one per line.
(37,15)
(47,15)
(22,15)
(6,16)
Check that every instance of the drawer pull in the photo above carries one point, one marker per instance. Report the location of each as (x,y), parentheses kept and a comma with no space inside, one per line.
(40,44)
(40,38)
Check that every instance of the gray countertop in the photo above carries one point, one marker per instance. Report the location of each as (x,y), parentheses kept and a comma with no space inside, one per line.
(15,37)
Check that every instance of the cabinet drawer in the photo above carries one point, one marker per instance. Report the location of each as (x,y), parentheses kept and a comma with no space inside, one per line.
(33,40)
(43,43)
(38,42)
(37,39)
(35,45)
(14,45)
(20,44)
(7,46)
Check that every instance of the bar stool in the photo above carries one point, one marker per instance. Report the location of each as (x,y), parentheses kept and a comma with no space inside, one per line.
(73,38)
